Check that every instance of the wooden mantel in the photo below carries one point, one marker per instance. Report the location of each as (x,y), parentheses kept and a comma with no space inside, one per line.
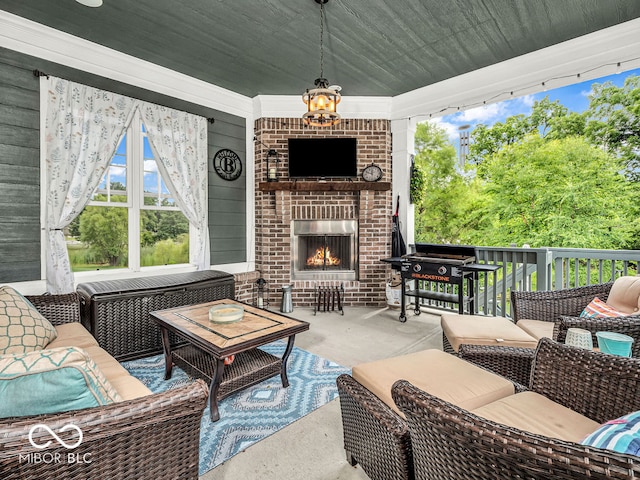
(328,186)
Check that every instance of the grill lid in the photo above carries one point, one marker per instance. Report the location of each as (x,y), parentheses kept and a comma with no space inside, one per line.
(443,253)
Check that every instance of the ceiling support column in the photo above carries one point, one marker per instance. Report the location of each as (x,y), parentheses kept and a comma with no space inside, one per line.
(402,149)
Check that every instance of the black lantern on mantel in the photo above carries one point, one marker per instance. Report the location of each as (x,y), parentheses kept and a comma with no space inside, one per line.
(260,293)
(273,159)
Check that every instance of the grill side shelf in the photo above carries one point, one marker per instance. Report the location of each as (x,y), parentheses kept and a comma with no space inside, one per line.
(439,296)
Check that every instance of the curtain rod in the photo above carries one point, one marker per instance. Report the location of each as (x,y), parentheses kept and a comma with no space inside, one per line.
(39,73)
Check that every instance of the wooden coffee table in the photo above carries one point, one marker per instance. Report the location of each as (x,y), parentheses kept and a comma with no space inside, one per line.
(207,344)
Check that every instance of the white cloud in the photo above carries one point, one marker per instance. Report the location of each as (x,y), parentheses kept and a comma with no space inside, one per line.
(450,128)
(115,171)
(527,100)
(483,114)
(150,166)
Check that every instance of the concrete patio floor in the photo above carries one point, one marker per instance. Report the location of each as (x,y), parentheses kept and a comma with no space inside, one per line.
(311,448)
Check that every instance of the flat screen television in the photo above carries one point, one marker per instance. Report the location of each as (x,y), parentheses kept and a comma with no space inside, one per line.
(323,158)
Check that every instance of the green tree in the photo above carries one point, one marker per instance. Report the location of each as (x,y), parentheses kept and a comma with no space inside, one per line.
(486,141)
(547,118)
(442,214)
(614,122)
(74,227)
(560,193)
(160,225)
(104,229)
(572,124)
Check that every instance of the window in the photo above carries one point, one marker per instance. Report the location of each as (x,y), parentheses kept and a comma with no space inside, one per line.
(132,220)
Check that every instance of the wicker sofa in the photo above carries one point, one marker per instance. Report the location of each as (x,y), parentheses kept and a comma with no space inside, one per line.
(148,436)
(449,442)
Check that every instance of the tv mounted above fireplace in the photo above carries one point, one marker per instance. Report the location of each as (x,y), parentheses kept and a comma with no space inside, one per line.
(323,158)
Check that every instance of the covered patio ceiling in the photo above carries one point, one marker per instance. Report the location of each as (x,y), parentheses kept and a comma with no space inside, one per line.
(372,47)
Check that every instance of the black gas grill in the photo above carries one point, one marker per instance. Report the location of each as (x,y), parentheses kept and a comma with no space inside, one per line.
(438,263)
(447,264)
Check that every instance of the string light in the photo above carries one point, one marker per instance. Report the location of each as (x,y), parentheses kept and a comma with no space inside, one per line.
(528,88)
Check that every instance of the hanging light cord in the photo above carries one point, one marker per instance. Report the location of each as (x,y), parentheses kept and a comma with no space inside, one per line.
(321,39)
(507,95)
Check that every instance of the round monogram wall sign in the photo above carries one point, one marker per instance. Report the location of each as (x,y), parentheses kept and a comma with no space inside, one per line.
(227,164)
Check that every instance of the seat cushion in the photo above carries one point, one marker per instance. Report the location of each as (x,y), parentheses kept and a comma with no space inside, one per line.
(73,334)
(625,295)
(127,386)
(536,328)
(22,328)
(484,330)
(535,413)
(50,381)
(434,371)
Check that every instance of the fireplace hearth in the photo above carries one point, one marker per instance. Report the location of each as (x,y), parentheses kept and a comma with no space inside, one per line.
(324,249)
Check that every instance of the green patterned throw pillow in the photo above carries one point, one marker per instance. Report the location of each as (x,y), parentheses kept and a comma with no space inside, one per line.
(50,381)
(22,328)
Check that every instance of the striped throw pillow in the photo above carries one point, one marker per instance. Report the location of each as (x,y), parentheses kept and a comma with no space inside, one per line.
(621,435)
(598,308)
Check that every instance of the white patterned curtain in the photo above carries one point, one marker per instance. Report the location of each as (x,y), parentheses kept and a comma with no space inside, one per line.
(179,144)
(82,129)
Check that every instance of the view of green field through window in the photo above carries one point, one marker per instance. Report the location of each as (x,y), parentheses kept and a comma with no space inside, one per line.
(132,220)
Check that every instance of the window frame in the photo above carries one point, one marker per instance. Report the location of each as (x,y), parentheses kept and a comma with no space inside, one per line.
(135,136)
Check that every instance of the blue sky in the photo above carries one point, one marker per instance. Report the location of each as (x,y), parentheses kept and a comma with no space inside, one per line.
(118,174)
(574,97)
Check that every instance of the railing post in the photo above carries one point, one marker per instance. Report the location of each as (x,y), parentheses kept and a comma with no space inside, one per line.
(543,267)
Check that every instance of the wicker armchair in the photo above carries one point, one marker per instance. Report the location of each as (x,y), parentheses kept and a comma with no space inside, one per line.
(449,442)
(564,307)
(153,437)
(628,325)
(513,363)
(560,306)
(550,305)
(375,436)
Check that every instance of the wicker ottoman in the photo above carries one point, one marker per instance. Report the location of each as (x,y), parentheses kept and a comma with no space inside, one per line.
(483,330)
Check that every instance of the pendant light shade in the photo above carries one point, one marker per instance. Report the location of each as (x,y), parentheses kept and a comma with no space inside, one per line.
(322,100)
(321,104)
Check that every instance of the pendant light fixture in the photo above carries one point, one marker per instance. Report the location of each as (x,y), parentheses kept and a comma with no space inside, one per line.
(322,100)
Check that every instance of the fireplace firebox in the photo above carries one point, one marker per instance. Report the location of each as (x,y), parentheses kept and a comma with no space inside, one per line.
(324,249)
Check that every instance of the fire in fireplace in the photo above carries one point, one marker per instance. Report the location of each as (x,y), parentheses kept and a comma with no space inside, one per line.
(324,249)
(323,258)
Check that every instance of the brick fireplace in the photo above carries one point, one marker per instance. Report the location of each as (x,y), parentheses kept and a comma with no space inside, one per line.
(286,208)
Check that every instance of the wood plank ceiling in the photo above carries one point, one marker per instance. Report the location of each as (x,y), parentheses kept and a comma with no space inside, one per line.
(372,47)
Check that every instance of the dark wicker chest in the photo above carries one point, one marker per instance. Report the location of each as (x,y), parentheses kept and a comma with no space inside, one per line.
(117,312)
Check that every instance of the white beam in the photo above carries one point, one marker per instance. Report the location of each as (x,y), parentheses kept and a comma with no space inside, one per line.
(31,38)
(593,56)
(291,106)
(403,147)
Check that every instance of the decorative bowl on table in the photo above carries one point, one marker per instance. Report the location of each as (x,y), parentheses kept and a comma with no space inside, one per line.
(226,313)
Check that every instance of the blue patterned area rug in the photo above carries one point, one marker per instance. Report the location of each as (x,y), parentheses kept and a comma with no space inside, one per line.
(250,415)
